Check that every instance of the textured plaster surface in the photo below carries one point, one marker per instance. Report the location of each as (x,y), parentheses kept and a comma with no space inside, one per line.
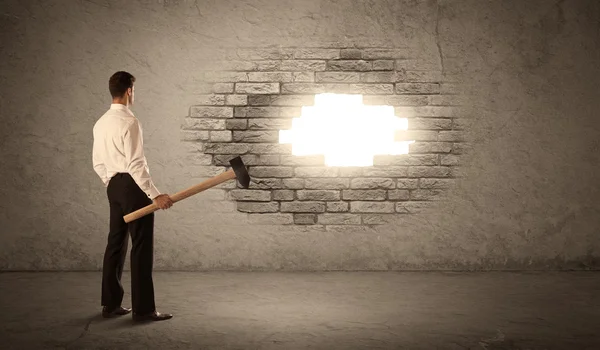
(316,310)
(528,196)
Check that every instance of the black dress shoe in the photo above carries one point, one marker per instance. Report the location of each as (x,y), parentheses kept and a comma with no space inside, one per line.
(118,311)
(153,316)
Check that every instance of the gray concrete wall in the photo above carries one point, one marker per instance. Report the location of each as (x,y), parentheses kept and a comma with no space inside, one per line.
(525,193)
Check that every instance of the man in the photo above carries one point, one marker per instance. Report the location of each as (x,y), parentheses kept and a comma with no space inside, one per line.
(118,158)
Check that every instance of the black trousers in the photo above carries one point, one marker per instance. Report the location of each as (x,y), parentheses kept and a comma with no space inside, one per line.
(124,197)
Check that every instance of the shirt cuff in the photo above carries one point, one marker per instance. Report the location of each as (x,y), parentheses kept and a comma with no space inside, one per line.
(153,192)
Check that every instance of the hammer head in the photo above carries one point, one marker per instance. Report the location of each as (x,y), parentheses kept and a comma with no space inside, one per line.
(240,171)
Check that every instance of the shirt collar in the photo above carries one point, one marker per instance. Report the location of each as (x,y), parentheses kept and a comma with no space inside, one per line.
(121,107)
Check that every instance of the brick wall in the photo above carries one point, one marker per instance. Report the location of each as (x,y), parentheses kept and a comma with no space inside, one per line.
(245,96)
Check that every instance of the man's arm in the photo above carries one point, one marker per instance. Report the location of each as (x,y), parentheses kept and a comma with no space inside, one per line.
(136,161)
(98,163)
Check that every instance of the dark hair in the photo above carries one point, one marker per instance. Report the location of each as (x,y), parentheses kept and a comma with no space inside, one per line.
(119,83)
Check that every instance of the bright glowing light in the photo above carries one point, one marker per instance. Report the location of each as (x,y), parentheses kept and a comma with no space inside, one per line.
(345,131)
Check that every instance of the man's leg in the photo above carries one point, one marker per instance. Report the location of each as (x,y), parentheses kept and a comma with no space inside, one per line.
(142,254)
(114,257)
(142,260)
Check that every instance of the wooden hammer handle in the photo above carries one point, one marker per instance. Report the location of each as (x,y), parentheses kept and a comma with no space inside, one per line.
(212,182)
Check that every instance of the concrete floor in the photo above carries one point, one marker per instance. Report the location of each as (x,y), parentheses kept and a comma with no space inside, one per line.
(316,310)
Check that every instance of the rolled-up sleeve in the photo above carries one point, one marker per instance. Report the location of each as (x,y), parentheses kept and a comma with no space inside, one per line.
(137,165)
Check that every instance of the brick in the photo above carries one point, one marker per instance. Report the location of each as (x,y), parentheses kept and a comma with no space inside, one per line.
(265,184)
(199,159)
(371,183)
(225,77)
(407,183)
(211,112)
(283,195)
(303,160)
(427,111)
(430,147)
(411,207)
(283,77)
(257,112)
(350,54)
(315,53)
(232,65)
(416,135)
(339,219)
(258,207)
(349,65)
(210,100)
(271,219)
(388,171)
(267,65)
(256,136)
(423,76)
(449,159)
(338,207)
(460,148)
(429,124)
(428,171)
(352,171)
(226,148)
(268,159)
(270,171)
(303,77)
(222,88)
(417,88)
(417,64)
(461,123)
(236,124)
(257,88)
(220,136)
(398,195)
(326,184)
(303,207)
(395,100)
(259,100)
(337,77)
(371,207)
(385,53)
(406,159)
(265,53)
(305,219)
(223,159)
(251,195)
(316,172)
(451,136)
(378,219)
(293,100)
(383,65)
(236,100)
(204,124)
(381,77)
(425,195)
(294,184)
(368,195)
(270,148)
(290,112)
(194,135)
(435,183)
(318,195)
(303,65)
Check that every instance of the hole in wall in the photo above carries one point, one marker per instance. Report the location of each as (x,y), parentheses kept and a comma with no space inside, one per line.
(345,131)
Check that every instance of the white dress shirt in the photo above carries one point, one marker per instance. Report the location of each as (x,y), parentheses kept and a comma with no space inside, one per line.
(119,148)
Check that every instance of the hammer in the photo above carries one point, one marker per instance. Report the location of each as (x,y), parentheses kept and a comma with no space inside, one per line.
(238,170)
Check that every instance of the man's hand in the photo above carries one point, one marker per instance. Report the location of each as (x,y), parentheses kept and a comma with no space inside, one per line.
(163,201)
